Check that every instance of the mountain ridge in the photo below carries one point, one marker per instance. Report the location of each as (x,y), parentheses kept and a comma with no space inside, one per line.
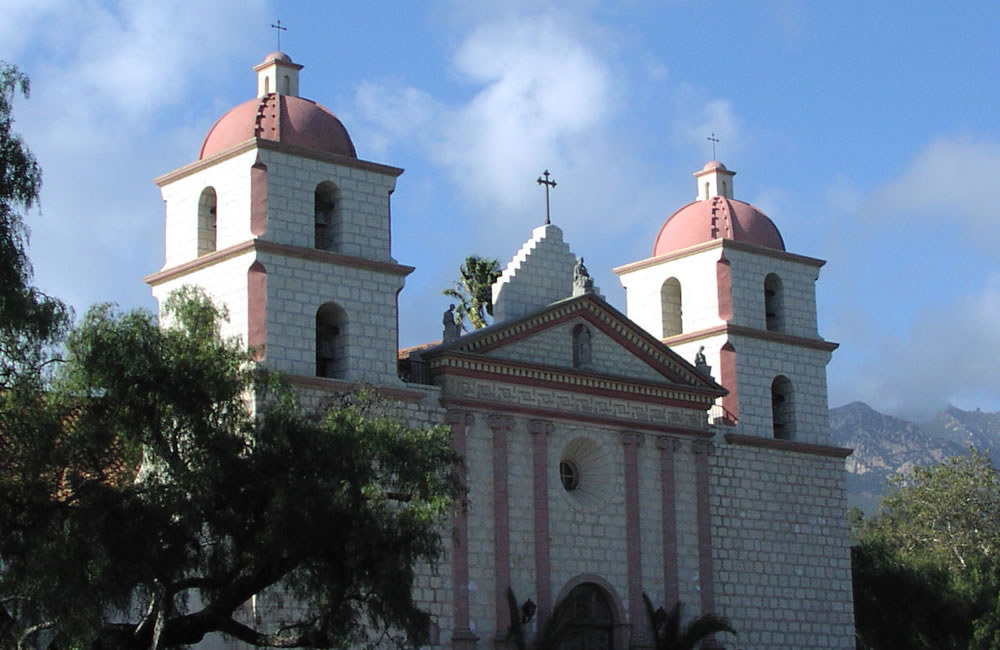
(886,446)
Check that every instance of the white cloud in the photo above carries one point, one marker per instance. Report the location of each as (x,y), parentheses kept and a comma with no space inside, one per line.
(540,89)
(948,356)
(696,118)
(948,180)
(107,77)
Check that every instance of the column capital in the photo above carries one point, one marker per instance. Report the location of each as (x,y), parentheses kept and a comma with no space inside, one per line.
(666,442)
(702,447)
(460,418)
(501,422)
(631,438)
(543,427)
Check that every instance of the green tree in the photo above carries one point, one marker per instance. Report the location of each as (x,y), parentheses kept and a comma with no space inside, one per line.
(553,629)
(669,634)
(936,538)
(902,603)
(144,504)
(30,322)
(474,291)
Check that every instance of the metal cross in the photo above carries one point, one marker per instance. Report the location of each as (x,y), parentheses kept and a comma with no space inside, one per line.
(279,29)
(713,140)
(547,183)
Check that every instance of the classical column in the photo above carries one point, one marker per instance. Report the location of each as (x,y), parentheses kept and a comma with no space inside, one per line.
(701,449)
(667,447)
(501,426)
(462,637)
(540,430)
(633,549)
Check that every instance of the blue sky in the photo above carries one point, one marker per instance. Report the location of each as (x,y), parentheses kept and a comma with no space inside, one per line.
(867,131)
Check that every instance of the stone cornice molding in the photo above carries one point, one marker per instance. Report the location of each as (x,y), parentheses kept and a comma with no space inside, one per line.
(788,445)
(263,143)
(751,332)
(345,386)
(521,372)
(488,406)
(724,244)
(260,245)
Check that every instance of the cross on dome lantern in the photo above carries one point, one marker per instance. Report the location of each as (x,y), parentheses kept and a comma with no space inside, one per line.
(278,28)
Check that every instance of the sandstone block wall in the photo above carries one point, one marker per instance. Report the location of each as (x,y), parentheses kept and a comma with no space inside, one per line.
(781,554)
(231,180)
(362,205)
(699,294)
(539,274)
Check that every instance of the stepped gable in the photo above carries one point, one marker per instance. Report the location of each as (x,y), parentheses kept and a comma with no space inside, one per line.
(540,273)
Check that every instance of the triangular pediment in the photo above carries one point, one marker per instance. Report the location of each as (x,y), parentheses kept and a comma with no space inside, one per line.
(547,343)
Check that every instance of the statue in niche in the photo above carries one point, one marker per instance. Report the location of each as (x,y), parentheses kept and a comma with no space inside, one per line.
(581,348)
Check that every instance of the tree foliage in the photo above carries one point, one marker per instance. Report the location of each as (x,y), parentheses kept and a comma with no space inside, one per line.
(152,504)
(30,322)
(669,634)
(935,539)
(155,486)
(554,629)
(474,291)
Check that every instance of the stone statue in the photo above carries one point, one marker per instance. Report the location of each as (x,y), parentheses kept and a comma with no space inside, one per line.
(452,329)
(701,364)
(582,282)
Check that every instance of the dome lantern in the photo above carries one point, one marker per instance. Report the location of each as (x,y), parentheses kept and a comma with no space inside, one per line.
(714,180)
(277,73)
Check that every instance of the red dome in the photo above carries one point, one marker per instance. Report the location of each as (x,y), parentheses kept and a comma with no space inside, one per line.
(716,218)
(303,123)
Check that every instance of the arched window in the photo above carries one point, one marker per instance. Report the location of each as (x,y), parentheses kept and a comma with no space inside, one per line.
(207,220)
(591,624)
(783,408)
(773,303)
(327,227)
(670,303)
(286,86)
(581,347)
(331,358)
(267,85)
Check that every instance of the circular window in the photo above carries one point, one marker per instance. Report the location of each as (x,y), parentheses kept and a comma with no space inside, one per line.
(569,474)
(586,473)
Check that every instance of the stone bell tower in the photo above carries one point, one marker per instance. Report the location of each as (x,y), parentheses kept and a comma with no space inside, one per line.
(279,220)
(720,278)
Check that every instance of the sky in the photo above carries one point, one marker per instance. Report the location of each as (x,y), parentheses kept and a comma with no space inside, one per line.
(868,132)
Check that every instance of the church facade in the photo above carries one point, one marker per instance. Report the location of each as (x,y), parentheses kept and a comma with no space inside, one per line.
(602,464)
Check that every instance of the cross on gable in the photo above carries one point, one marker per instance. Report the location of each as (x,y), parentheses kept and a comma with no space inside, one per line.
(547,183)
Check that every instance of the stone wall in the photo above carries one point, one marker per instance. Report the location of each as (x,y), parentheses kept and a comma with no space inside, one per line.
(781,554)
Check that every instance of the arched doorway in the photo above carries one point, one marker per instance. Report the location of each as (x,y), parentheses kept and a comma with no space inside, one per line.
(591,620)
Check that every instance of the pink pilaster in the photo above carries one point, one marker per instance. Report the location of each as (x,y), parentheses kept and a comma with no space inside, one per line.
(633,547)
(667,446)
(258,198)
(501,426)
(540,430)
(462,637)
(257,310)
(704,517)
